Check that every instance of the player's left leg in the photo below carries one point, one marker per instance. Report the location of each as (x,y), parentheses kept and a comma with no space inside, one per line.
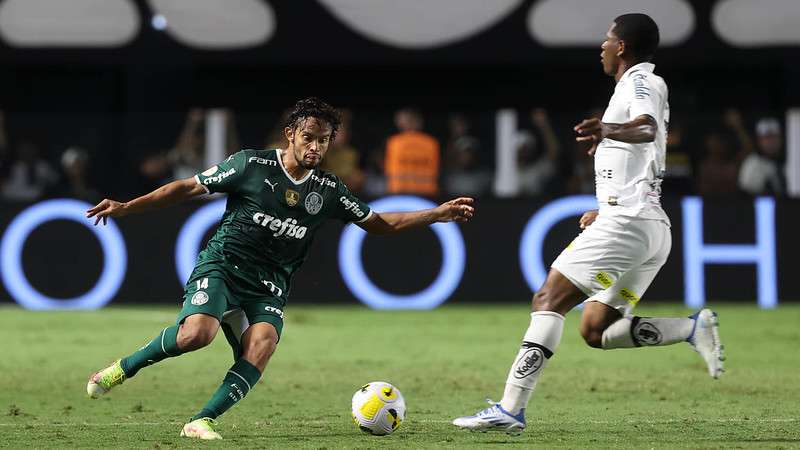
(255,337)
(607,321)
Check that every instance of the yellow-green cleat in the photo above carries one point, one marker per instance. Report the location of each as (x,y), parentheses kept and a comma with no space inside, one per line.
(102,381)
(203,428)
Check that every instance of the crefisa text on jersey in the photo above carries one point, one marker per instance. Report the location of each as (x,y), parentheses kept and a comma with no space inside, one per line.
(280,227)
(323,181)
(220,177)
(351,206)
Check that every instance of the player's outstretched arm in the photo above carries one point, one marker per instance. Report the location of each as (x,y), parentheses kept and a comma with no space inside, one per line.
(167,195)
(641,129)
(456,210)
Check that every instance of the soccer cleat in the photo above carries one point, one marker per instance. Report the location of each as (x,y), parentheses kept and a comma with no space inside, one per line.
(102,381)
(203,428)
(493,418)
(705,340)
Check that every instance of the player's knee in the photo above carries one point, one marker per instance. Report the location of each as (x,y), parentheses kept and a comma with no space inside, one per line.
(261,348)
(592,335)
(193,338)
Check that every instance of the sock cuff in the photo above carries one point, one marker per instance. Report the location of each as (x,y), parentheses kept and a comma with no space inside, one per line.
(169,341)
(547,313)
(246,372)
(545,351)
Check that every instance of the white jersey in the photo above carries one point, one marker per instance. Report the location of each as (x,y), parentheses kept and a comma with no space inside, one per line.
(628,176)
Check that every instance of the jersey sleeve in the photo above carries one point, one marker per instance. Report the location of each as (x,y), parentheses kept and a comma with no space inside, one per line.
(645,98)
(348,207)
(225,176)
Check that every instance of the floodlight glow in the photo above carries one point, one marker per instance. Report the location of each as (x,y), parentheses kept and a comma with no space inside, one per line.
(448,279)
(114,256)
(191,235)
(532,243)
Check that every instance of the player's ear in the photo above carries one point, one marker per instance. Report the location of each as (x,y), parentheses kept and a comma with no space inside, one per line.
(621,49)
(289,133)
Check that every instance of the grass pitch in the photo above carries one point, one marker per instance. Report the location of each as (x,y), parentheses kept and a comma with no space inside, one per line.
(444,361)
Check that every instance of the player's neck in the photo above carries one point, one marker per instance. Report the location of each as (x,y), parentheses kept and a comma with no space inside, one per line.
(623,67)
(294,169)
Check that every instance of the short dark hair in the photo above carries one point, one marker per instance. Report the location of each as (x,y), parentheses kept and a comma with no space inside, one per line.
(314,107)
(640,34)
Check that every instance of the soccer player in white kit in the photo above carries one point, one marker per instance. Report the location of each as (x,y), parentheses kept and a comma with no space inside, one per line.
(622,246)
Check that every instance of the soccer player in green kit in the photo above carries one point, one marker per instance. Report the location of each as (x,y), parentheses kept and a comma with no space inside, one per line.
(277,199)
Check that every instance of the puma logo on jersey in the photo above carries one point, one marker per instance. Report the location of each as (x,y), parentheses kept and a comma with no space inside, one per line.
(280,227)
(272,185)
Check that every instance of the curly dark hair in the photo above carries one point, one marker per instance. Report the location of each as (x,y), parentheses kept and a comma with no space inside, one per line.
(314,107)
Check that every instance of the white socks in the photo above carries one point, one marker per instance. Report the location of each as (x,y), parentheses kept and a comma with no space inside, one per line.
(538,345)
(635,331)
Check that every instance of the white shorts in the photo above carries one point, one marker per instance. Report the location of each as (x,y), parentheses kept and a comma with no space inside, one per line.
(614,260)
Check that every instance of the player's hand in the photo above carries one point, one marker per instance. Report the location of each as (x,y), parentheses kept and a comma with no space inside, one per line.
(105,209)
(459,210)
(591,130)
(587,218)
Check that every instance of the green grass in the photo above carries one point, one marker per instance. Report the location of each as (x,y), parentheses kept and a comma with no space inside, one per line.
(445,362)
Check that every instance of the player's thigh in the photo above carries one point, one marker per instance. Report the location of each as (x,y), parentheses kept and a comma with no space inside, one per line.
(625,294)
(602,254)
(265,310)
(234,323)
(206,294)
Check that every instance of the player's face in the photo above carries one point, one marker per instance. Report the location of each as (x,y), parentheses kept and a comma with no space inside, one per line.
(610,55)
(309,142)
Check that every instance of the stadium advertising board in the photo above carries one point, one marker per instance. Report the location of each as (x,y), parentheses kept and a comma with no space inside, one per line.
(51,256)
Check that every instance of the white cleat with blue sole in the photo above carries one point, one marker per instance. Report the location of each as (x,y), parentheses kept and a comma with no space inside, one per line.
(493,418)
(705,341)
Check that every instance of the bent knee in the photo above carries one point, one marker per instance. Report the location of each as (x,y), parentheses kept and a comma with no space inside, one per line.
(193,338)
(593,336)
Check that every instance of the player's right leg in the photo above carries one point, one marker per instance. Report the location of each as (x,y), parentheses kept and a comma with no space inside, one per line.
(196,332)
(204,303)
(591,263)
(607,321)
(550,304)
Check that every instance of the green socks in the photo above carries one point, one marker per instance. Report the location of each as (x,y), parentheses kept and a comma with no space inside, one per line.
(239,380)
(165,345)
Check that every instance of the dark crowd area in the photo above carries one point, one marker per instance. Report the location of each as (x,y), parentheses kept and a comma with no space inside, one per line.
(729,152)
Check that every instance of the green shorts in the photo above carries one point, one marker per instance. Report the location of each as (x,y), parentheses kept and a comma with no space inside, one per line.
(214,288)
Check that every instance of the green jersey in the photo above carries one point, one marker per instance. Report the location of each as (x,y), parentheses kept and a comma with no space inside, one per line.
(270,218)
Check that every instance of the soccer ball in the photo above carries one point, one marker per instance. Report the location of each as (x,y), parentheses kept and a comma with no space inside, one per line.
(378,408)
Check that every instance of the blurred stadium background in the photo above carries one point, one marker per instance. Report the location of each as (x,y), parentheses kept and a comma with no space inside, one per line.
(111,98)
(114,97)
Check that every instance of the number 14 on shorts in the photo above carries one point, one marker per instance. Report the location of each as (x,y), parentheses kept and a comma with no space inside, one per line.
(202,284)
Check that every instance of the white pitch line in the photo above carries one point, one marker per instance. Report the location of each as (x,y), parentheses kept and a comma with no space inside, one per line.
(539,422)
